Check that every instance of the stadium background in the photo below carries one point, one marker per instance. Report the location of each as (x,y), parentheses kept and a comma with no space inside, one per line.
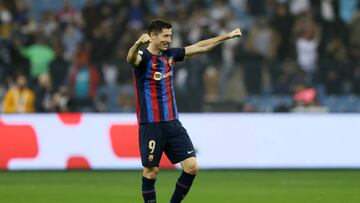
(295,56)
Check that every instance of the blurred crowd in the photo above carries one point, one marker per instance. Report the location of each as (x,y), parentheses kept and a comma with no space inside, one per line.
(73,59)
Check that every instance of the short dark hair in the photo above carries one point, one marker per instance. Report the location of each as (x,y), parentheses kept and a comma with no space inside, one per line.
(157,26)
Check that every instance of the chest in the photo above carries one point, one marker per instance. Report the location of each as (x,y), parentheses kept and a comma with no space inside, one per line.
(159,68)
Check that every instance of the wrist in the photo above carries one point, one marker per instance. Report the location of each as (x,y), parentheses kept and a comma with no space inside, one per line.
(228,35)
(137,44)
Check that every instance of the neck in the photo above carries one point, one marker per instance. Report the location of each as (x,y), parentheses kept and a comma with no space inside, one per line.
(21,88)
(153,50)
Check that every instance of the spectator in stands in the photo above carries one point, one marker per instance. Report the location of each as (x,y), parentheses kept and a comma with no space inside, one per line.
(211,83)
(61,101)
(307,45)
(20,98)
(288,77)
(329,70)
(126,98)
(5,21)
(71,39)
(219,10)
(39,54)
(136,14)
(282,23)
(261,47)
(103,42)
(347,9)
(69,15)
(43,94)
(91,16)
(257,8)
(299,7)
(22,16)
(59,66)
(48,25)
(228,54)
(82,82)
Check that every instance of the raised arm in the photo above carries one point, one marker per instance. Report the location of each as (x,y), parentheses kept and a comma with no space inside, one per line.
(133,57)
(207,45)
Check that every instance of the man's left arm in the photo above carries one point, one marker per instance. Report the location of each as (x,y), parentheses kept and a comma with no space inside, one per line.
(207,45)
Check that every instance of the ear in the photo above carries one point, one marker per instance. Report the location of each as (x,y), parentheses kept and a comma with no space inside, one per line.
(152,35)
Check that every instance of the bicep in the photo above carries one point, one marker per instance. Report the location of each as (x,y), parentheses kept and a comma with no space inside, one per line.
(136,62)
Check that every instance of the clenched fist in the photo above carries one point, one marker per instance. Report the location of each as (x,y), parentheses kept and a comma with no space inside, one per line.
(235,33)
(144,39)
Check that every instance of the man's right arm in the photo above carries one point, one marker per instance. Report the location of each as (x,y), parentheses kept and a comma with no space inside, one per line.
(133,57)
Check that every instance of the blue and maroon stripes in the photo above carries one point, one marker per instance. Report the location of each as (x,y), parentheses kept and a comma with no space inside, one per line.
(173,101)
(155,98)
(136,97)
(154,92)
(149,191)
(169,96)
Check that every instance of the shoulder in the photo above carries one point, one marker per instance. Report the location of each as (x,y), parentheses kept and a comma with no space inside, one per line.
(145,58)
(11,91)
(174,51)
(177,53)
(144,54)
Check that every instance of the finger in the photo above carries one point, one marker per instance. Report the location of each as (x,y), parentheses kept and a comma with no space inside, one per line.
(147,40)
(144,39)
(144,36)
(141,39)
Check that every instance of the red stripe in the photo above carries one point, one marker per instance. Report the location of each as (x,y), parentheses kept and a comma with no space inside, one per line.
(168,92)
(136,97)
(148,192)
(154,99)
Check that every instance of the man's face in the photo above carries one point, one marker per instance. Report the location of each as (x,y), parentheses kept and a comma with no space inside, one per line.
(21,81)
(162,39)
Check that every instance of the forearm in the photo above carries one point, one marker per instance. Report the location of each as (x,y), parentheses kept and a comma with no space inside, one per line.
(133,53)
(206,45)
(209,44)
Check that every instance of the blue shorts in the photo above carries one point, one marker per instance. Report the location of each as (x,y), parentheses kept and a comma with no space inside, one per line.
(169,137)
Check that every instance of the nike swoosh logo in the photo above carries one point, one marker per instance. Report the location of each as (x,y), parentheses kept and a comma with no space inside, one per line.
(189,152)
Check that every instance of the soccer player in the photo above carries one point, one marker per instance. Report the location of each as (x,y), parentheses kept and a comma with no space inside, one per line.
(159,127)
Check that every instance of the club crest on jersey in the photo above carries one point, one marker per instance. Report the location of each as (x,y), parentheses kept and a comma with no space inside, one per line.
(158,76)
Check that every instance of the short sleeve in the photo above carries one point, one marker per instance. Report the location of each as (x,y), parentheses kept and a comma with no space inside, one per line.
(178,54)
(143,59)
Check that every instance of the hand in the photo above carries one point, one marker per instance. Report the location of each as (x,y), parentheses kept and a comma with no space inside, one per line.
(235,33)
(144,39)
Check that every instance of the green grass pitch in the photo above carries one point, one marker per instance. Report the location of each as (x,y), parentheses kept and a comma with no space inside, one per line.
(238,186)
